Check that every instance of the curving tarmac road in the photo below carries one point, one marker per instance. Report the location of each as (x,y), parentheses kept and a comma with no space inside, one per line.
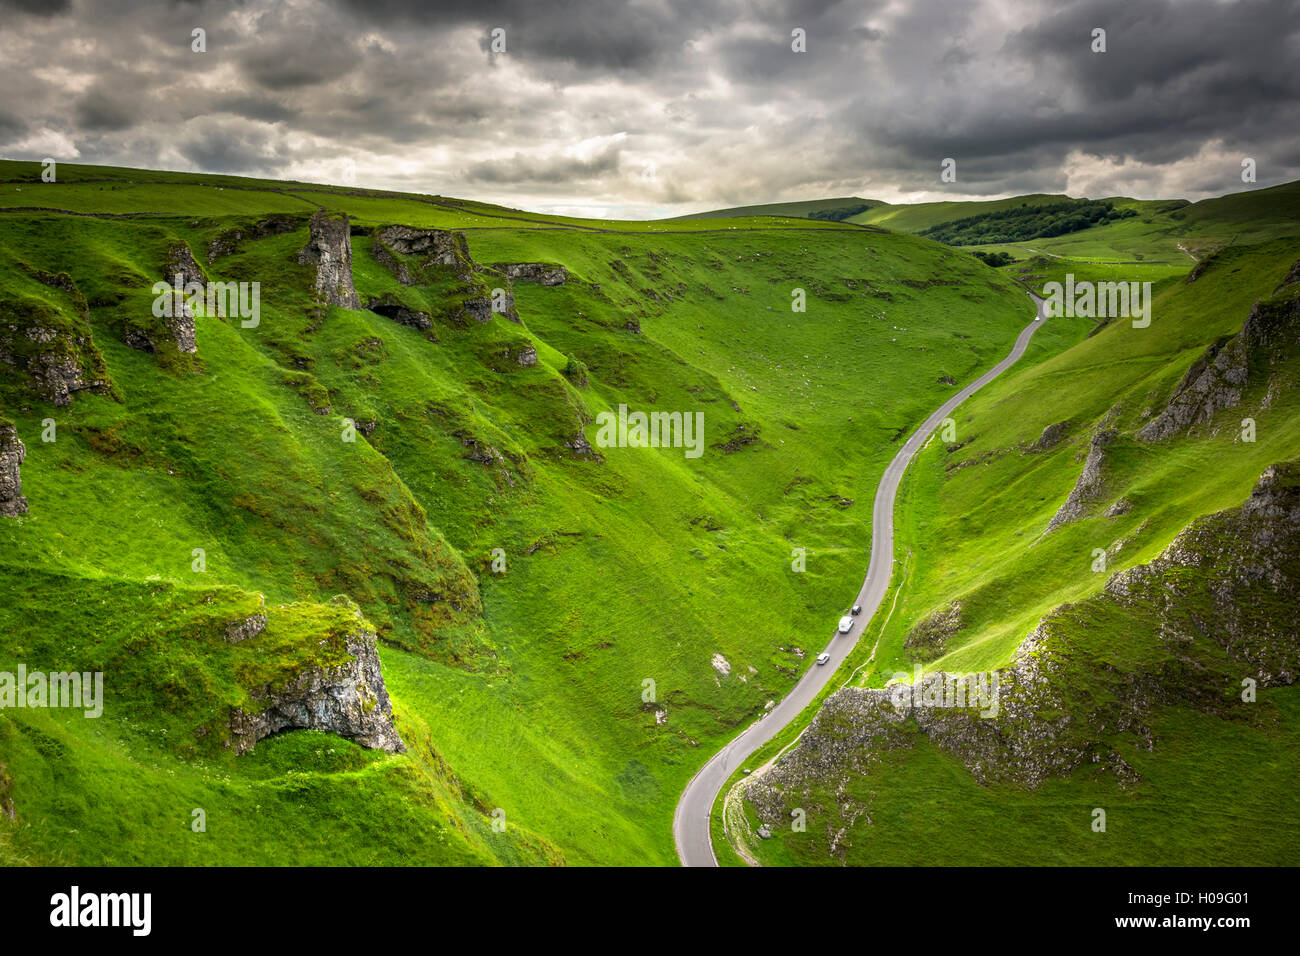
(692,817)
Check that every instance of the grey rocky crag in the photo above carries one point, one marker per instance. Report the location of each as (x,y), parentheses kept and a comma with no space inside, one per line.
(349,699)
(1222,374)
(1234,578)
(929,638)
(581,447)
(1051,437)
(180,270)
(330,250)
(12,455)
(1091,485)
(479,309)
(424,256)
(52,344)
(389,307)
(435,247)
(546,273)
(246,628)
(228,242)
(1220,603)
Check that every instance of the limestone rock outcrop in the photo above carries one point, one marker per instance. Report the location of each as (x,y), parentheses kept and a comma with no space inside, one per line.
(12,455)
(1220,376)
(929,638)
(1091,483)
(181,270)
(1220,603)
(349,700)
(330,250)
(52,345)
(228,242)
(546,273)
(435,247)
(392,309)
(1232,577)
(1051,437)
(245,629)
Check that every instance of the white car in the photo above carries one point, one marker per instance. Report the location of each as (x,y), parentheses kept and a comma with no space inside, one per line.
(823,657)
(846,624)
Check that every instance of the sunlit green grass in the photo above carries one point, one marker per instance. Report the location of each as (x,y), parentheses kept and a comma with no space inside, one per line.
(974,516)
(638,568)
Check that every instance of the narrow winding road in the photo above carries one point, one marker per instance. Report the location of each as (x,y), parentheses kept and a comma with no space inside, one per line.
(692,817)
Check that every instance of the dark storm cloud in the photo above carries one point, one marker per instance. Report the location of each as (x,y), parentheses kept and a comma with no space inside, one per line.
(100,111)
(298,59)
(254,107)
(591,34)
(1169,46)
(545,169)
(11,127)
(41,8)
(229,150)
(639,108)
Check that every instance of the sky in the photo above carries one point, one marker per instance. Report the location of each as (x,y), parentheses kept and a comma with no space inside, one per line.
(666,107)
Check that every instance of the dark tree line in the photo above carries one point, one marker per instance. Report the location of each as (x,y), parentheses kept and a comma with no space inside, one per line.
(1027,222)
(839,214)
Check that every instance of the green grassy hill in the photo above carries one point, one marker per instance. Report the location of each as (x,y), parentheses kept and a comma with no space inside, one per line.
(1210,780)
(1161,232)
(801,210)
(917,217)
(523,692)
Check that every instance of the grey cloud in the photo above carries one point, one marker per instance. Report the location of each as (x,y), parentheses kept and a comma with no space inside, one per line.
(40,8)
(298,60)
(707,92)
(230,149)
(11,127)
(254,107)
(544,170)
(99,110)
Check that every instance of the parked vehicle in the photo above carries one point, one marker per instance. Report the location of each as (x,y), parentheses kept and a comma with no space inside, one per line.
(857,609)
(846,624)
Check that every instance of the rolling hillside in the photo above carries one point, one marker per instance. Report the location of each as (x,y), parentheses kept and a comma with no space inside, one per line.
(224,516)
(799,210)
(1086,522)
(1161,232)
(366,585)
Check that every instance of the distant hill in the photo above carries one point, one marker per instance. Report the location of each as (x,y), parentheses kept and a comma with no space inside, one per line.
(801,210)
(916,217)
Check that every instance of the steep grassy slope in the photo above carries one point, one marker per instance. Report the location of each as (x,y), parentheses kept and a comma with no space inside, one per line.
(522,690)
(1208,783)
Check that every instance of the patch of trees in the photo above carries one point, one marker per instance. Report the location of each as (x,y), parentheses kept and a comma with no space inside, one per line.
(1027,222)
(838,214)
(995,259)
